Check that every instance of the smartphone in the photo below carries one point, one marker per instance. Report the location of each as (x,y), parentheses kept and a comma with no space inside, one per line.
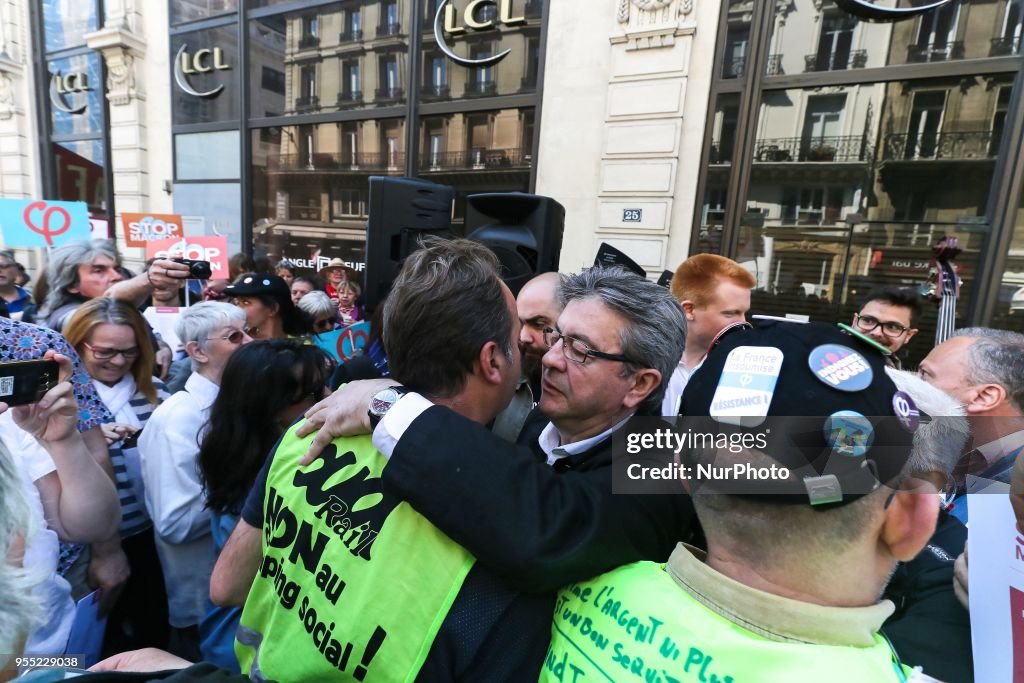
(25,381)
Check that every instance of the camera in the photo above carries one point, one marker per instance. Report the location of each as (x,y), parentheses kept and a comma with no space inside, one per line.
(197,270)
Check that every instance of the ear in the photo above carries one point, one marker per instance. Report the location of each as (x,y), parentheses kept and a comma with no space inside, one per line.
(988,397)
(910,334)
(194,350)
(910,520)
(491,362)
(644,382)
(688,307)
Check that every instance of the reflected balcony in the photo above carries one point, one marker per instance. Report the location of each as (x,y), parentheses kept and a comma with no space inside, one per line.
(774,66)
(720,154)
(337,162)
(961,146)
(934,52)
(1002,47)
(831,149)
(481,89)
(836,61)
(733,68)
(385,30)
(309,41)
(433,91)
(387,94)
(350,36)
(477,159)
(307,103)
(349,98)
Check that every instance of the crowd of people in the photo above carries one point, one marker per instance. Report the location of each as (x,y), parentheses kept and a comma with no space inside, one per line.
(456,503)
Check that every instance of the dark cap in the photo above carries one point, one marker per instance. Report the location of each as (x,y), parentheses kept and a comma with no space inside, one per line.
(819,399)
(259,284)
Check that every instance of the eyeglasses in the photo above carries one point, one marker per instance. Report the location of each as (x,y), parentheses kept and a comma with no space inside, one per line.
(577,351)
(107,354)
(325,324)
(890,328)
(235,337)
(7,265)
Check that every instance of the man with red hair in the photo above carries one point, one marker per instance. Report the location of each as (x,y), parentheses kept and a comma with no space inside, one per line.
(714,293)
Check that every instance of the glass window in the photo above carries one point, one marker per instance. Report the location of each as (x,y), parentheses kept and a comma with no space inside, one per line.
(328,61)
(76,95)
(207,156)
(737,37)
(206,76)
(191,10)
(816,36)
(1009,312)
(66,22)
(723,126)
(81,176)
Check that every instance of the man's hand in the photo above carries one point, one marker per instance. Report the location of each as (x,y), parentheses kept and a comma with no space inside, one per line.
(163,358)
(960,580)
(108,572)
(55,416)
(147,659)
(166,274)
(343,413)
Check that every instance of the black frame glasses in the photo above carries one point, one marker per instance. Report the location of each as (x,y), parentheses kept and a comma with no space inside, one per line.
(890,328)
(580,351)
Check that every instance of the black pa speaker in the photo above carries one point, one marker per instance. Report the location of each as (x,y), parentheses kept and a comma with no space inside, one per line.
(523,230)
(401,211)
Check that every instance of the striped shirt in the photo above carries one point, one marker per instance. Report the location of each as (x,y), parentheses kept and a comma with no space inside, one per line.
(127,471)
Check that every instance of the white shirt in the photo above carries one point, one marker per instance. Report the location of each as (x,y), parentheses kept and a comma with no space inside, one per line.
(674,389)
(993,451)
(42,548)
(168,448)
(550,441)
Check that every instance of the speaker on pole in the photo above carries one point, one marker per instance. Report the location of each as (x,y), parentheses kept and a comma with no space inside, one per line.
(523,230)
(401,210)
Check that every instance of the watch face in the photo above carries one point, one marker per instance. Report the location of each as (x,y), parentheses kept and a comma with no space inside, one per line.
(382,401)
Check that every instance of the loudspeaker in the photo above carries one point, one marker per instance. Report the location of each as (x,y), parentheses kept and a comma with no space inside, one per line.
(523,230)
(401,210)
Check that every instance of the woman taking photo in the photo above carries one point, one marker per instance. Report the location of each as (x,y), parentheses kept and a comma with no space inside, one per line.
(116,348)
(243,428)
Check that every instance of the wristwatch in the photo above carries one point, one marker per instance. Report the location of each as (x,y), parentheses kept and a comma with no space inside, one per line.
(382,402)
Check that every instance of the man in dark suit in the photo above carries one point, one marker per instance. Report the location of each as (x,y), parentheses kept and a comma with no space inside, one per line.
(542,526)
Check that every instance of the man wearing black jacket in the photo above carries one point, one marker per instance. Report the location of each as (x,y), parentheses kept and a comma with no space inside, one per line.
(538,526)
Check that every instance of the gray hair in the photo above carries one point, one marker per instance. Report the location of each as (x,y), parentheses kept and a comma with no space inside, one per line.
(198,322)
(996,357)
(655,333)
(62,271)
(316,304)
(938,444)
(19,607)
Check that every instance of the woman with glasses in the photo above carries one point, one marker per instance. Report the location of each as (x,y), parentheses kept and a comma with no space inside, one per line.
(117,350)
(320,312)
(244,425)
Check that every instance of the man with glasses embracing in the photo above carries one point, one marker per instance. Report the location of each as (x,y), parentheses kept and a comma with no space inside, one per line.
(888,316)
(542,514)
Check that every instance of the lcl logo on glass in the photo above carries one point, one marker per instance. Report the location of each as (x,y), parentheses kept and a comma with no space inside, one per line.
(64,85)
(202,61)
(448,21)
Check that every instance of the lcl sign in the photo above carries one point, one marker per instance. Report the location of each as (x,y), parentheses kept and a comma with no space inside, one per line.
(202,61)
(448,21)
(62,85)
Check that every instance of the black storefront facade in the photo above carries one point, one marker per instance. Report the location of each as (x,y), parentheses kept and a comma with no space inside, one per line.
(838,151)
(281,111)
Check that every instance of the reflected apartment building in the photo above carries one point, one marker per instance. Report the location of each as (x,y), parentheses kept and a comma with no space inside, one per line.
(857,148)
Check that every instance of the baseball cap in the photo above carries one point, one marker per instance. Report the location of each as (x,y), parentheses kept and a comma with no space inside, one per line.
(820,404)
(259,284)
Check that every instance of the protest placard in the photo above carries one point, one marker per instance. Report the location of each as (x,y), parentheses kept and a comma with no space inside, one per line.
(38,223)
(212,249)
(345,343)
(141,228)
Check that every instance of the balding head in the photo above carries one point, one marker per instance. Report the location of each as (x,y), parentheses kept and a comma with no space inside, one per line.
(539,305)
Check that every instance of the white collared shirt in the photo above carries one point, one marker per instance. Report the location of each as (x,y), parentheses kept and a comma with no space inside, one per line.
(550,442)
(993,451)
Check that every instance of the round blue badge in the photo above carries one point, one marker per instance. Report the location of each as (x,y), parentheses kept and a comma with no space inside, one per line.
(906,411)
(840,367)
(849,433)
